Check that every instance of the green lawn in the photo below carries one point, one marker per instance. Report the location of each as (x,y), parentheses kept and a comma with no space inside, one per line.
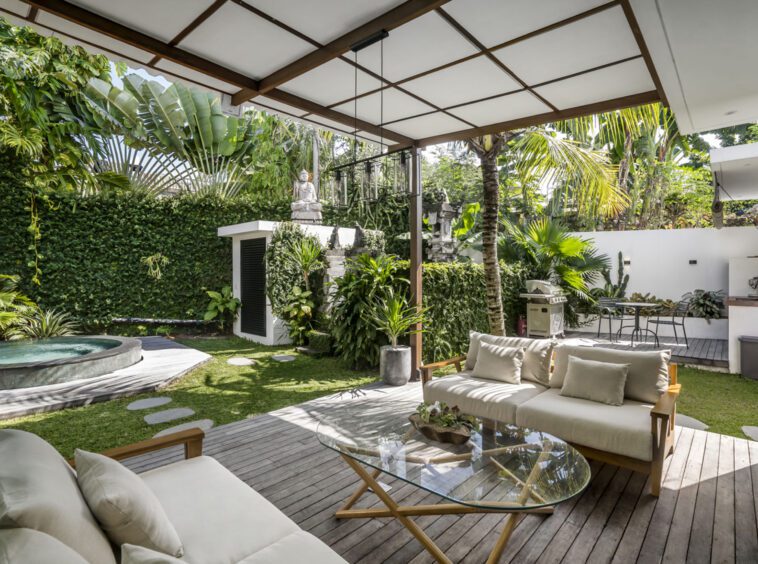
(725,402)
(216,390)
(226,393)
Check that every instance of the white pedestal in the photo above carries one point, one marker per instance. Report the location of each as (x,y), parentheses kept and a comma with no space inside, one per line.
(276,331)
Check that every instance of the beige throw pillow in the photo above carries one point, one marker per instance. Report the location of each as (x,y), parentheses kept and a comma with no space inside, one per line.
(499,363)
(602,382)
(133,554)
(646,380)
(126,508)
(537,354)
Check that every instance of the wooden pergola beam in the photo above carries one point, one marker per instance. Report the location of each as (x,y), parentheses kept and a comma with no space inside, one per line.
(405,12)
(539,119)
(122,33)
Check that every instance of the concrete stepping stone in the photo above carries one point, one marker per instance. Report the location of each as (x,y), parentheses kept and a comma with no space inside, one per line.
(240,361)
(203,424)
(168,415)
(283,358)
(751,432)
(147,403)
(691,422)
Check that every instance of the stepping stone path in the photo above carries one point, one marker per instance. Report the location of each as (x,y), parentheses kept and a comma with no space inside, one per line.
(283,358)
(751,432)
(240,361)
(203,424)
(168,415)
(147,403)
(691,422)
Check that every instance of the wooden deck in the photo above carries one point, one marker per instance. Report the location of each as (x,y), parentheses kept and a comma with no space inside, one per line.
(706,511)
(708,352)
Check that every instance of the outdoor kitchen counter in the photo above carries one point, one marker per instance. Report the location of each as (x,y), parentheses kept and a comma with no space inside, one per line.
(742,301)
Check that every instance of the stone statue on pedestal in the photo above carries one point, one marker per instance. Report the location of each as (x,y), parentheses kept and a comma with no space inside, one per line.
(305,207)
(443,247)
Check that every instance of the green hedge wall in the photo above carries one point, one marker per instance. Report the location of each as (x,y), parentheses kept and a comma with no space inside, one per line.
(92,248)
(454,294)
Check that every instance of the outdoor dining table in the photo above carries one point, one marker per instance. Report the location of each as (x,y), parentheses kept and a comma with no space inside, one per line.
(637,331)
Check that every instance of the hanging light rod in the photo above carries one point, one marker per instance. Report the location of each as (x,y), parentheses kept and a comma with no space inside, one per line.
(352,164)
(370,40)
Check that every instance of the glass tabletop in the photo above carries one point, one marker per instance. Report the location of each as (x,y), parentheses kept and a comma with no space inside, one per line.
(509,468)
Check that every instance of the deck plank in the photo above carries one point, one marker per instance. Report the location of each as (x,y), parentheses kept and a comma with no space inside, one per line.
(707,509)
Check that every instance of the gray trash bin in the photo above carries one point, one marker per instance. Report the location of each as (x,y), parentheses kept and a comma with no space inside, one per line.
(749,357)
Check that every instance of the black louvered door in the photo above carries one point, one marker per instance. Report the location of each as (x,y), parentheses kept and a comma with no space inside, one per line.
(253,285)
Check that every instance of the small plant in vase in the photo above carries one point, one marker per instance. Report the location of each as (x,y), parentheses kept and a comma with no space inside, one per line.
(440,422)
(393,317)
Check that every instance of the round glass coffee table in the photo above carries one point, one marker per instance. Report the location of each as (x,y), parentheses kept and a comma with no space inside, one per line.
(502,468)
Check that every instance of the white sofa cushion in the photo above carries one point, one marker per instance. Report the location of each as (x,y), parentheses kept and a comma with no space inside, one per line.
(133,554)
(502,364)
(38,490)
(646,380)
(537,354)
(27,546)
(623,429)
(126,508)
(296,548)
(483,398)
(219,518)
(595,381)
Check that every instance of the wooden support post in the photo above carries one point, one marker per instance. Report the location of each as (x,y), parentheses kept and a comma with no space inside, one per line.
(416,205)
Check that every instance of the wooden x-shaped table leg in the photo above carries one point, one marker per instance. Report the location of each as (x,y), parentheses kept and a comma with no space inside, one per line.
(403,513)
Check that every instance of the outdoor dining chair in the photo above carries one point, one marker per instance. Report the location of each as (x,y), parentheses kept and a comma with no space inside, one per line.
(678,315)
(609,309)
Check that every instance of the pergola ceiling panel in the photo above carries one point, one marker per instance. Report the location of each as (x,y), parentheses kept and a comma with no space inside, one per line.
(422,44)
(585,44)
(92,41)
(325,20)
(396,106)
(502,108)
(495,21)
(275,105)
(455,85)
(331,83)
(15,6)
(604,84)
(428,125)
(194,77)
(240,40)
(163,19)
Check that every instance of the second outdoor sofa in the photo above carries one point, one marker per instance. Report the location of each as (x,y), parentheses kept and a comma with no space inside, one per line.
(638,434)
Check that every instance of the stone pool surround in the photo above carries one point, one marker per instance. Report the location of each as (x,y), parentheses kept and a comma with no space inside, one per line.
(32,374)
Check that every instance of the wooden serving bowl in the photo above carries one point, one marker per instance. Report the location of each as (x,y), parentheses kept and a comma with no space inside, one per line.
(453,435)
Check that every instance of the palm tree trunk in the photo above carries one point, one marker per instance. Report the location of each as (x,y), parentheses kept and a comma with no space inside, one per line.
(490,215)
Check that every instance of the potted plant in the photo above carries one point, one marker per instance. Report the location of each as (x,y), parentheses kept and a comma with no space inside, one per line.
(440,422)
(394,318)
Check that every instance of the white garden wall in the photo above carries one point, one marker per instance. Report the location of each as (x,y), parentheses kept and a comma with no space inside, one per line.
(660,259)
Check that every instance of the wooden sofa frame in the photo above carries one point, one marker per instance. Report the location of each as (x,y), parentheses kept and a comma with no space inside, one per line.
(192,439)
(662,418)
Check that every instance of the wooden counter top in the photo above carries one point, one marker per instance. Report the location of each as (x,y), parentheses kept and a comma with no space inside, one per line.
(742,301)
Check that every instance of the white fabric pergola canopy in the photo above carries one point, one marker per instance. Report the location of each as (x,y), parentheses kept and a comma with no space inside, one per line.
(451,68)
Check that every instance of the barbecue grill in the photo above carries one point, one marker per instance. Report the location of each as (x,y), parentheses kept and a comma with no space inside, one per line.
(544,309)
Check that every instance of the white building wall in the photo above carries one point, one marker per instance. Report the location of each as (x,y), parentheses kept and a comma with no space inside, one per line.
(660,259)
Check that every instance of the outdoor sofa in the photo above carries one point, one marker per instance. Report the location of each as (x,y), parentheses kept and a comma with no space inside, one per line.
(637,434)
(44,516)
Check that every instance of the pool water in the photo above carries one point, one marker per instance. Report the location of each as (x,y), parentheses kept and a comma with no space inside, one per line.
(46,350)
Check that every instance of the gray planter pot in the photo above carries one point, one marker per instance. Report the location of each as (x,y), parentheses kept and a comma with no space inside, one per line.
(395,365)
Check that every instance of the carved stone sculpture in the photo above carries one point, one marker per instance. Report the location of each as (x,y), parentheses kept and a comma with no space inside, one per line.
(305,206)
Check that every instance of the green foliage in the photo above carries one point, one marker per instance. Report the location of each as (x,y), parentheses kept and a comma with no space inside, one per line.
(51,323)
(611,289)
(154,263)
(299,314)
(366,281)
(441,414)
(706,304)
(393,317)
(15,308)
(223,307)
(320,342)
(93,246)
(293,258)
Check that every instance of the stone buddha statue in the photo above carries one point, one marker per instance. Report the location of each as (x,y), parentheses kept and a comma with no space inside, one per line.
(305,206)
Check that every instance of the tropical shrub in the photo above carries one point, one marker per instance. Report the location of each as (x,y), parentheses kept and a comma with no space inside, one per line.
(223,307)
(299,314)
(393,317)
(40,324)
(15,308)
(367,280)
(706,304)
(612,289)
